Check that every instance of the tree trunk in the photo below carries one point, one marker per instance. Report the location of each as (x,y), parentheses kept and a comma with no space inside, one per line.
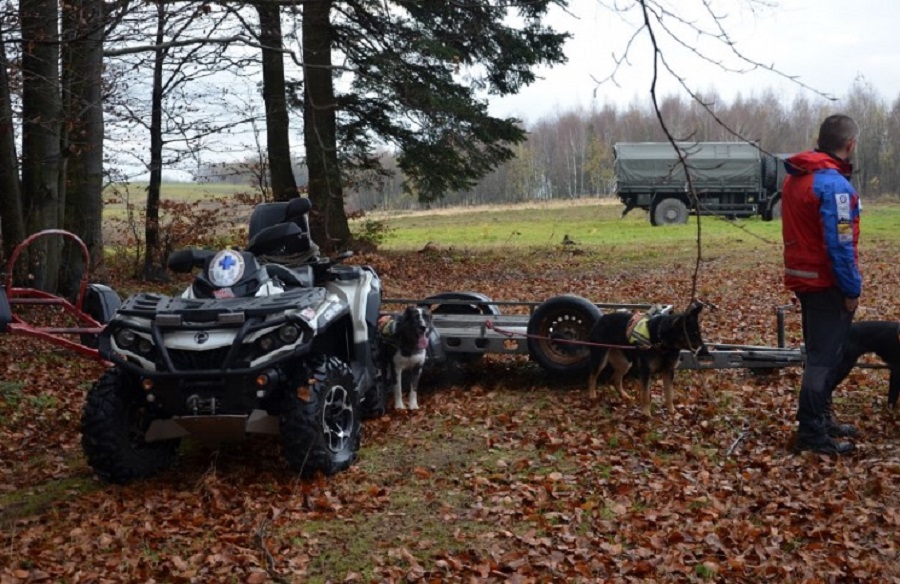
(329,221)
(153,268)
(12,221)
(278,144)
(82,69)
(41,113)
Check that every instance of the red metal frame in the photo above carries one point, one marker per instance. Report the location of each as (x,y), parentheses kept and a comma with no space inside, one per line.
(30,296)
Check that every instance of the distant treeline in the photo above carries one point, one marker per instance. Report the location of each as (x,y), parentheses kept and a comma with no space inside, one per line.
(570,154)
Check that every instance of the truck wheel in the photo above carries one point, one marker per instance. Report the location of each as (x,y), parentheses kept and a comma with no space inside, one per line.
(320,419)
(770,173)
(670,211)
(114,420)
(553,324)
(776,209)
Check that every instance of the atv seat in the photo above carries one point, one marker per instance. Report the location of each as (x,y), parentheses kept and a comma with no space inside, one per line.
(280,228)
(301,276)
(269,214)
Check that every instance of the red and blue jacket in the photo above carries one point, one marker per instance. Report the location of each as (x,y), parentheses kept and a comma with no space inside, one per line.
(820,225)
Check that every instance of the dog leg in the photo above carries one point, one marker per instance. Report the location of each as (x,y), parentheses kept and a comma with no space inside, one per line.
(594,374)
(621,365)
(398,392)
(645,393)
(668,379)
(894,387)
(413,387)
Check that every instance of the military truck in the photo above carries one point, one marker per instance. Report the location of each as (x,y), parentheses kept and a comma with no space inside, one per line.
(731,179)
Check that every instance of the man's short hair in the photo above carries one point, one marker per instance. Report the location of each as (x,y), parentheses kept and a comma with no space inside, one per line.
(836,131)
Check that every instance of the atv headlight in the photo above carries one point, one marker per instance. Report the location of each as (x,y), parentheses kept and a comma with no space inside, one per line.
(144,346)
(267,343)
(289,333)
(125,338)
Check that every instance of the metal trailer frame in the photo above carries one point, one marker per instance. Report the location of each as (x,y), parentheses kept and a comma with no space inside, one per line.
(12,296)
(468,333)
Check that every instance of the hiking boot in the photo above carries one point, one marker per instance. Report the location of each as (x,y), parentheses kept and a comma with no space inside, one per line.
(836,430)
(821,444)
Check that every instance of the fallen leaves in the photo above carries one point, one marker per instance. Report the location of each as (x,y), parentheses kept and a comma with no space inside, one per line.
(505,474)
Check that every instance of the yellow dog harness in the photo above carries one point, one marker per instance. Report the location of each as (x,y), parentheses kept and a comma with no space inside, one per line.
(638,330)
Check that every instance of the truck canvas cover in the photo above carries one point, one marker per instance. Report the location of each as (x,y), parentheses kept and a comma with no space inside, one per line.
(712,165)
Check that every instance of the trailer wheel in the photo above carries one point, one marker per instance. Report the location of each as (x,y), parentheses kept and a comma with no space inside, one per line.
(670,211)
(320,419)
(553,325)
(114,420)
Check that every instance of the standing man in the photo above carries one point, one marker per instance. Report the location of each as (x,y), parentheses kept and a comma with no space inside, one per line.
(820,227)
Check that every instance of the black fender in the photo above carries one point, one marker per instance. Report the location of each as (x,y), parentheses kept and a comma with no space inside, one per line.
(460,303)
(455,303)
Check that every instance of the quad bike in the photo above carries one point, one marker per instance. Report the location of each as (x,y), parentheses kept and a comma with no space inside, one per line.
(270,339)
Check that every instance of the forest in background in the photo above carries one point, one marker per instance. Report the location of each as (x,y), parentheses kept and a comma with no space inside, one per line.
(569,154)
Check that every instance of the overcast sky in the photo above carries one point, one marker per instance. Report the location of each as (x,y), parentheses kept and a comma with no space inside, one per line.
(826,44)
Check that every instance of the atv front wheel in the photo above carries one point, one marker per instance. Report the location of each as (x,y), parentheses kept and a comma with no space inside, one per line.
(320,419)
(114,420)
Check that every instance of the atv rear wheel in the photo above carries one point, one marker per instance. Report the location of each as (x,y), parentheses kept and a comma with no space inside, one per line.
(320,420)
(555,331)
(114,420)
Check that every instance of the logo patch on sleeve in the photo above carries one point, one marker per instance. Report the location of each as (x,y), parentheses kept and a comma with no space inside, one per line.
(842,200)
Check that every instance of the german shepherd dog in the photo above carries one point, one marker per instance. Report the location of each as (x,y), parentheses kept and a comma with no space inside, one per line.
(402,346)
(621,339)
(873,336)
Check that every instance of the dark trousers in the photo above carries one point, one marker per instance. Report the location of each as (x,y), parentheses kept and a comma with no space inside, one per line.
(826,323)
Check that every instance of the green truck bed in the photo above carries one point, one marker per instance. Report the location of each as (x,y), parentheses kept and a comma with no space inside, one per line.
(643,166)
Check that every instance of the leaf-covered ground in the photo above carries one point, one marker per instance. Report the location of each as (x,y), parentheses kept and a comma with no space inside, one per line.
(505,474)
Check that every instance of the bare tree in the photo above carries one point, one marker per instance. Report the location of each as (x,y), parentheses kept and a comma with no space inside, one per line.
(278,143)
(82,134)
(41,122)
(12,221)
(190,43)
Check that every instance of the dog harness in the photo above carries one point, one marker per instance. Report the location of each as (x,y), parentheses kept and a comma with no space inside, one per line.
(638,330)
(387,327)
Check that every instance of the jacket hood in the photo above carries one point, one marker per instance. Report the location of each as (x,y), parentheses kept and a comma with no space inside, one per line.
(813,160)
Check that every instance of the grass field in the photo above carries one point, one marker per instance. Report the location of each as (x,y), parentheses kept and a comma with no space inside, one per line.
(589,222)
(593,223)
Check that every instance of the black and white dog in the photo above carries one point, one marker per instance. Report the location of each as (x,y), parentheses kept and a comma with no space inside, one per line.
(402,346)
(881,337)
